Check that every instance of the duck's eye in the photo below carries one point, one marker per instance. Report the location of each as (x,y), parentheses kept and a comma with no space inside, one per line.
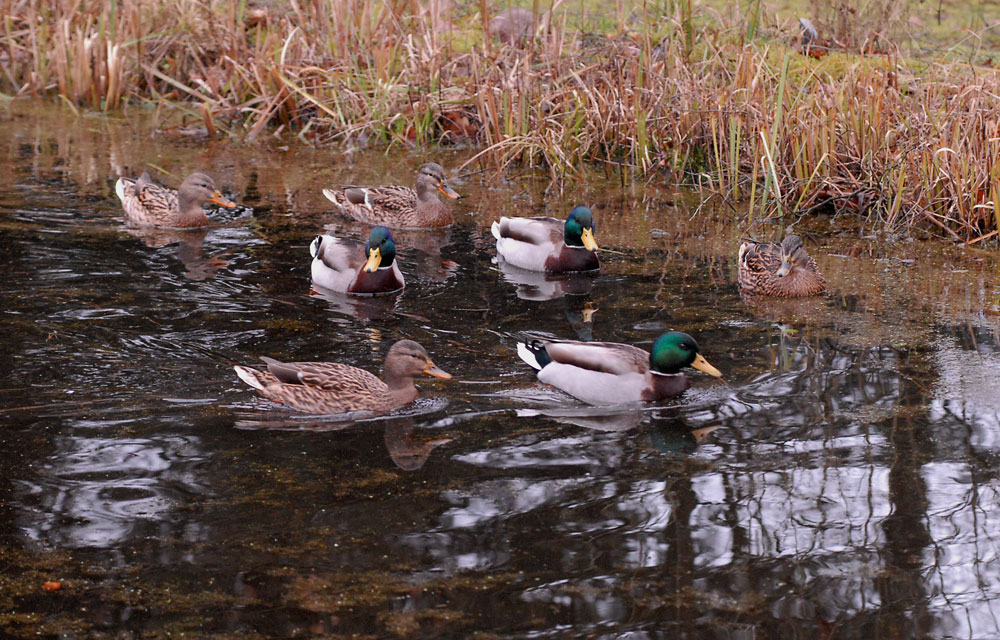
(684,346)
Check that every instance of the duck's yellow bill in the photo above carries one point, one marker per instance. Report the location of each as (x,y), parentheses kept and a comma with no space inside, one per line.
(448,191)
(432,370)
(701,364)
(220,200)
(588,239)
(374,260)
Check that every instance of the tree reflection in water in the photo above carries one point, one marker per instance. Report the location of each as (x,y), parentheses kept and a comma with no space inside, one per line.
(841,482)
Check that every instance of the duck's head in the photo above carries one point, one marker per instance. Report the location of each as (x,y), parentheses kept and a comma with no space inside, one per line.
(674,350)
(380,250)
(431,178)
(579,230)
(406,359)
(793,255)
(201,187)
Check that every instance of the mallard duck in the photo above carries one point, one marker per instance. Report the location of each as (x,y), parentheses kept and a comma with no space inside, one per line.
(783,270)
(331,387)
(613,373)
(547,244)
(399,207)
(147,204)
(338,264)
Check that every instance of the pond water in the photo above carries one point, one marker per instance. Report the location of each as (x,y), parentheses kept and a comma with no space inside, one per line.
(841,481)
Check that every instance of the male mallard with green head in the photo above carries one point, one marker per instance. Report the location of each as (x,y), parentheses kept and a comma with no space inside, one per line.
(397,206)
(147,204)
(331,387)
(339,264)
(781,270)
(548,244)
(613,373)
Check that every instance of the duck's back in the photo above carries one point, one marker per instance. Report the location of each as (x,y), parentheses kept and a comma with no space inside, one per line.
(147,203)
(528,242)
(320,387)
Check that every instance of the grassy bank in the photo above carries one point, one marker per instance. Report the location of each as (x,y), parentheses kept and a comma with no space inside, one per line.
(721,98)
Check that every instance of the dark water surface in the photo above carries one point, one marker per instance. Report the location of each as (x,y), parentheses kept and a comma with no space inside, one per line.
(841,482)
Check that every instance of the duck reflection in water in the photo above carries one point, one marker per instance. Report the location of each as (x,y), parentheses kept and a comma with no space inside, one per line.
(666,435)
(407,449)
(428,262)
(540,285)
(190,249)
(675,436)
(589,417)
(360,307)
(580,317)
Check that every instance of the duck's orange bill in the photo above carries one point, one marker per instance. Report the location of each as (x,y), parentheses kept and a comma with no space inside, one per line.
(448,191)
(432,370)
(701,364)
(589,241)
(220,200)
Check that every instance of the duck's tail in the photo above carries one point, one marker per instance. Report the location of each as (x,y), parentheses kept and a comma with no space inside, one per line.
(249,376)
(496,230)
(120,188)
(316,245)
(533,352)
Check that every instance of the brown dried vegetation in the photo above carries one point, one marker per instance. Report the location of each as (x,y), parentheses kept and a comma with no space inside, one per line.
(722,106)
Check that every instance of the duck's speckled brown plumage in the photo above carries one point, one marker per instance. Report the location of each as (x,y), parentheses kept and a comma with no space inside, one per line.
(147,204)
(332,387)
(396,206)
(780,270)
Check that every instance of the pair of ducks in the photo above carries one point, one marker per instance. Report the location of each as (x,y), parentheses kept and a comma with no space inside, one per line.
(535,244)
(148,204)
(594,372)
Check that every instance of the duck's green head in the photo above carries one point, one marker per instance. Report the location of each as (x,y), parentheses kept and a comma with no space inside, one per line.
(579,230)
(674,350)
(381,250)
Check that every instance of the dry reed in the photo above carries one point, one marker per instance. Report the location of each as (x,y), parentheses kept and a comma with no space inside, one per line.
(721,106)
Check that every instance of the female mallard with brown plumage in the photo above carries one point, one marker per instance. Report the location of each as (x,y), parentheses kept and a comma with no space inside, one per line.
(348,266)
(613,373)
(548,244)
(397,206)
(331,387)
(781,270)
(147,204)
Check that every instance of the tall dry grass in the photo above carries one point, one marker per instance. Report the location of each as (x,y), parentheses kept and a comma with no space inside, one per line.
(733,108)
